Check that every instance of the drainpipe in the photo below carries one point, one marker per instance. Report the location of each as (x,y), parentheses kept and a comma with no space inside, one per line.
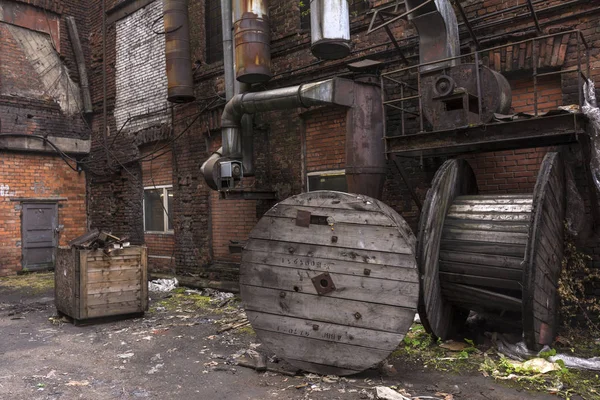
(227,25)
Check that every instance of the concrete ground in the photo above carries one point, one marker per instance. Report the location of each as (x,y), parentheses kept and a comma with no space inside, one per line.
(174,352)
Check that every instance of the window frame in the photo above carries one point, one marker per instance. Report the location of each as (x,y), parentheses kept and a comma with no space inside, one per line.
(165,210)
(333,172)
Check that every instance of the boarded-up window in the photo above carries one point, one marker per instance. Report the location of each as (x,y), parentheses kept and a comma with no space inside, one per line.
(214,32)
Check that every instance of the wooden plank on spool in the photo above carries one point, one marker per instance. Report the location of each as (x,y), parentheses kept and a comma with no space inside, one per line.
(493,200)
(484,236)
(364,253)
(403,271)
(83,284)
(492,260)
(364,288)
(455,178)
(349,236)
(482,281)
(477,225)
(483,216)
(326,331)
(482,270)
(487,208)
(301,250)
(337,215)
(483,296)
(544,254)
(511,250)
(320,352)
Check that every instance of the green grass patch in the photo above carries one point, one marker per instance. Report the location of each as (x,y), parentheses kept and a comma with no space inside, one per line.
(34,283)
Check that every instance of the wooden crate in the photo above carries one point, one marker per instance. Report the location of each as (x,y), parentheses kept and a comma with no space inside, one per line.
(90,284)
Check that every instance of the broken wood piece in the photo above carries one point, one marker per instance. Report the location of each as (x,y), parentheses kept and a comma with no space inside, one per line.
(233,326)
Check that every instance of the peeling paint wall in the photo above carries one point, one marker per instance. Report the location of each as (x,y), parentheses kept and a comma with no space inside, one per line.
(141,69)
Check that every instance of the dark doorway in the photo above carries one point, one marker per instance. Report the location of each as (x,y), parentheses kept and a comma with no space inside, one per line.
(39,229)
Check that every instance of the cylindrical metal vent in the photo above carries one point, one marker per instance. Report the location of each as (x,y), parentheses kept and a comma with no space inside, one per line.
(330,29)
(177,45)
(252,41)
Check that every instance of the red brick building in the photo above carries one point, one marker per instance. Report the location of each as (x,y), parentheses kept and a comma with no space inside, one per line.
(43,133)
(295,150)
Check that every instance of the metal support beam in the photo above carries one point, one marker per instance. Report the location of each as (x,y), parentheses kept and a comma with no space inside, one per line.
(463,15)
(534,16)
(534,132)
(393,40)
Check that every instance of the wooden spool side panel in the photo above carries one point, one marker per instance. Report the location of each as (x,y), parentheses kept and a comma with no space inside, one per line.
(544,254)
(370,260)
(455,178)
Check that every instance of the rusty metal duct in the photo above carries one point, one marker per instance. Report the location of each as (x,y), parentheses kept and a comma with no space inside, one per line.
(177,45)
(437,26)
(330,29)
(365,169)
(252,41)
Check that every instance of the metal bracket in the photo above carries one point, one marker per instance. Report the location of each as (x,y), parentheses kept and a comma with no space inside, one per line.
(323,283)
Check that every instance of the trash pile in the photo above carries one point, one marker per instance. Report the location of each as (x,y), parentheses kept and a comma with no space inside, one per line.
(163,285)
(94,240)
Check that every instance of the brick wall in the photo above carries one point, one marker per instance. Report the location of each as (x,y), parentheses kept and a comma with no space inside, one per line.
(34,176)
(325,139)
(141,82)
(232,220)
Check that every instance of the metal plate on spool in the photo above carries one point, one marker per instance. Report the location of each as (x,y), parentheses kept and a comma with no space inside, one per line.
(455,178)
(544,254)
(330,307)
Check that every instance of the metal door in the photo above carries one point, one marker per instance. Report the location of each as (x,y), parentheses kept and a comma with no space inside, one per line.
(39,230)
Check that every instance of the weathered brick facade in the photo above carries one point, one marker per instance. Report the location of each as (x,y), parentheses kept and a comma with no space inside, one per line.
(289,145)
(40,95)
(31,177)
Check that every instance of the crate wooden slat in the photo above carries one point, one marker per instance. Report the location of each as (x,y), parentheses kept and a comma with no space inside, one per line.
(90,284)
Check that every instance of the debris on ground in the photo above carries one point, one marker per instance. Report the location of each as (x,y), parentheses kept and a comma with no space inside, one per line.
(163,285)
(386,393)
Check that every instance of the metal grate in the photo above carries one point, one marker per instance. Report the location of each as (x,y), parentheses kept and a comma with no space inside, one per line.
(214,34)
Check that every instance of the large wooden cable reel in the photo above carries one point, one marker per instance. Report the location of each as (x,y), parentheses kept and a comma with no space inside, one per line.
(500,254)
(329,281)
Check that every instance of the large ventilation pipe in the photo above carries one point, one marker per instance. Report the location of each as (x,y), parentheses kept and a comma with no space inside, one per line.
(364,128)
(177,45)
(437,26)
(330,29)
(252,41)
